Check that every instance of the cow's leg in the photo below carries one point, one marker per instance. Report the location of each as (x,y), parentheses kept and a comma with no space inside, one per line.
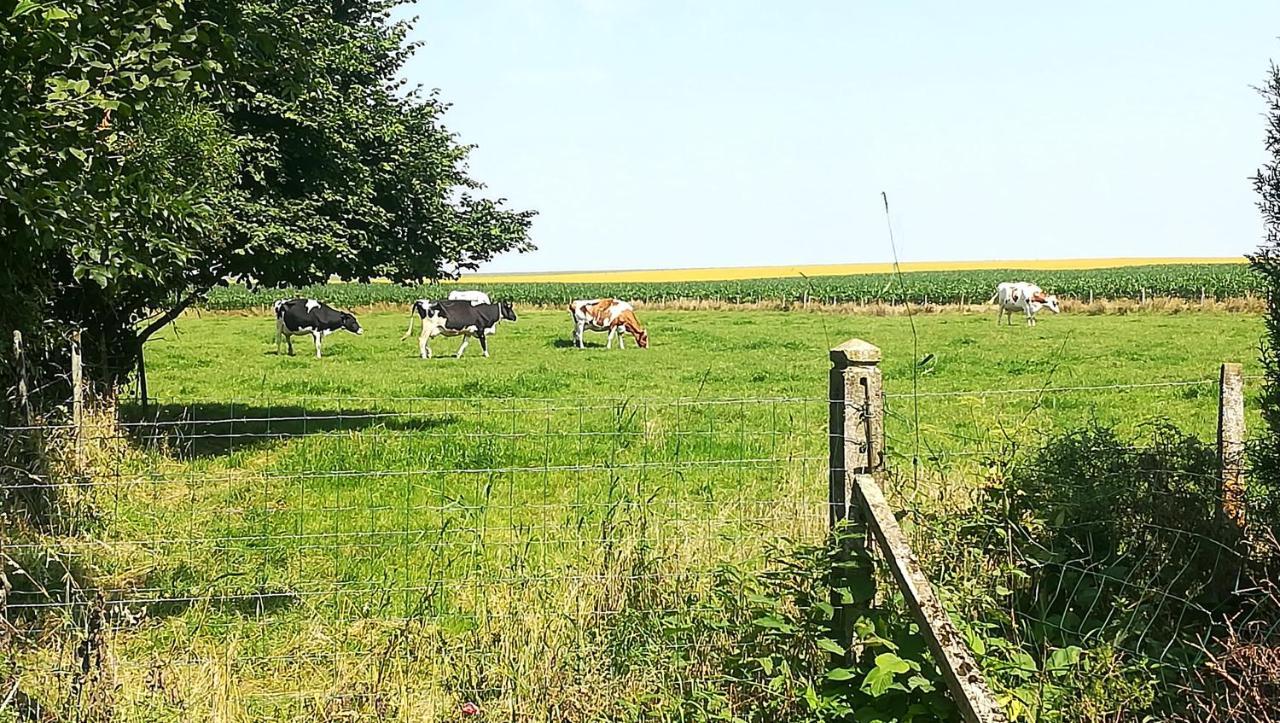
(318,336)
(484,345)
(424,342)
(288,339)
(613,331)
(577,334)
(466,339)
(279,335)
(622,337)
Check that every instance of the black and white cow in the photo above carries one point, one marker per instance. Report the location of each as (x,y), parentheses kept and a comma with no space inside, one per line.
(456,318)
(308,316)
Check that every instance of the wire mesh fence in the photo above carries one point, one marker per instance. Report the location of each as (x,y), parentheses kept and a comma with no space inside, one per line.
(1078,534)
(327,556)
(331,552)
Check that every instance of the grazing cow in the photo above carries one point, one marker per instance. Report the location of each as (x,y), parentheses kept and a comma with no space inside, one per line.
(607,315)
(475,297)
(456,318)
(1025,297)
(308,316)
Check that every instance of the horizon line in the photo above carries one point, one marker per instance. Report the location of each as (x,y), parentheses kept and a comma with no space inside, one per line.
(730,273)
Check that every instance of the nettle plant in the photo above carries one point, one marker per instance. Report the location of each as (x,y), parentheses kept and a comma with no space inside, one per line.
(814,640)
(799,656)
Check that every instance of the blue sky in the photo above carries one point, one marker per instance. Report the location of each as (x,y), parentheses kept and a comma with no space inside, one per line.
(664,134)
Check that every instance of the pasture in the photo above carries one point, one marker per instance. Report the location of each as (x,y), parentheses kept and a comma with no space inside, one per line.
(295,537)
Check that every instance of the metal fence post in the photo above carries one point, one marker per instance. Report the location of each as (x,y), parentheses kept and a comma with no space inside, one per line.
(1231,444)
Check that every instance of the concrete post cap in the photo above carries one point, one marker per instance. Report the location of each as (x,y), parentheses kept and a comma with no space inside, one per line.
(855,351)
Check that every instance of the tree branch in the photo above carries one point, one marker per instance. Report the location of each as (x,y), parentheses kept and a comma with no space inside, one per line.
(168,316)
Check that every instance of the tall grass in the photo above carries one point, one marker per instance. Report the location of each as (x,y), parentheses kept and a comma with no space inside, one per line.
(372,535)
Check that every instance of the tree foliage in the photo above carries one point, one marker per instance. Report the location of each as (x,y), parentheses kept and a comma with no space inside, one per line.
(1267,262)
(155,150)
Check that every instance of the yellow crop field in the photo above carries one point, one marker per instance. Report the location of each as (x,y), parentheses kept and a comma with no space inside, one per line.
(732,273)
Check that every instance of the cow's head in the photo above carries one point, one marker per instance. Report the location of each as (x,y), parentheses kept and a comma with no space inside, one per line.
(350,324)
(1051,303)
(506,311)
(642,338)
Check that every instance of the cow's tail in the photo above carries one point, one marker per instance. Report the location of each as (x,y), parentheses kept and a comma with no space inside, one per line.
(993,298)
(413,311)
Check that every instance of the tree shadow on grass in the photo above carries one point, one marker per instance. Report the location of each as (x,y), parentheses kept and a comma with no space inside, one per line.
(568,344)
(188,431)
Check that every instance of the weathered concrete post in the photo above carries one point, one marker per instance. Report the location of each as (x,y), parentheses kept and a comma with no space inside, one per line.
(1231,444)
(855,422)
(855,437)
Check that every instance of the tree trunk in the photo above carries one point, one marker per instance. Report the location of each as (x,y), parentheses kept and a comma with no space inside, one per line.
(165,319)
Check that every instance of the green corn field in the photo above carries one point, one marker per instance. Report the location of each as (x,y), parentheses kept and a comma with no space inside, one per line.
(1184,281)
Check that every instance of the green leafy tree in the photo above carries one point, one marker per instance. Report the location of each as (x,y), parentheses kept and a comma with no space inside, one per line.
(154,151)
(1267,262)
(89,96)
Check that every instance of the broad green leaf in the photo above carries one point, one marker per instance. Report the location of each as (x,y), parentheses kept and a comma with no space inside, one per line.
(811,697)
(1022,664)
(831,646)
(919,682)
(1063,659)
(55,14)
(892,663)
(877,681)
(24,7)
(839,674)
(773,623)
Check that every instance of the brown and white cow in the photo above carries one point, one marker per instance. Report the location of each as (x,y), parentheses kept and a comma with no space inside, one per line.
(1013,296)
(607,315)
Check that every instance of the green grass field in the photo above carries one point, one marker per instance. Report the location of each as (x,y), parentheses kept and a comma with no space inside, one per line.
(306,539)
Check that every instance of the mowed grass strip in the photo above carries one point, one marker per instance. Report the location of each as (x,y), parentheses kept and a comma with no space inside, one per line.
(287,515)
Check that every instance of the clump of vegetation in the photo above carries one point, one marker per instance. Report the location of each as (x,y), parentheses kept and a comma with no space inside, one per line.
(1110,548)
(1266,262)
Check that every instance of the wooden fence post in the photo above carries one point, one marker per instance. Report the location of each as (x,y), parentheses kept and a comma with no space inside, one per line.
(20,364)
(77,394)
(855,422)
(1231,443)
